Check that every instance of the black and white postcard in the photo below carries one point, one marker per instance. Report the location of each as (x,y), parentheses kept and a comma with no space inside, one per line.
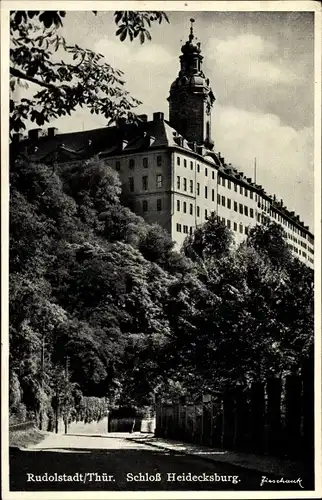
(161,242)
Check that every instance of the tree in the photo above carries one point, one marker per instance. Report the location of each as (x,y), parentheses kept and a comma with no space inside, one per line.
(212,240)
(268,239)
(67,76)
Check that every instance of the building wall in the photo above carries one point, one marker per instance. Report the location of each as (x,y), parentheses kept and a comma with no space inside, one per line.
(191,207)
(148,195)
(191,190)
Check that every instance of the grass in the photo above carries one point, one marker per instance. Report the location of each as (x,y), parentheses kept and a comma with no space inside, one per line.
(23,439)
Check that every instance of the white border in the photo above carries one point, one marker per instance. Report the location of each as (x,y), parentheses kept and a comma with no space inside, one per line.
(231,5)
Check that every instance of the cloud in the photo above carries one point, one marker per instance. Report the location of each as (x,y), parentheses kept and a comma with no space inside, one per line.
(250,57)
(284,154)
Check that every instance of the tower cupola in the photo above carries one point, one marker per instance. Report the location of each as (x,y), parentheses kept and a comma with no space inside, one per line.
(191,98)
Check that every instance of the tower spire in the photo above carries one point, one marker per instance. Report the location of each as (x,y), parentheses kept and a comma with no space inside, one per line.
(191,36)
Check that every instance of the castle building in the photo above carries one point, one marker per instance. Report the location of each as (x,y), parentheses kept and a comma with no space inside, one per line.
(170,172)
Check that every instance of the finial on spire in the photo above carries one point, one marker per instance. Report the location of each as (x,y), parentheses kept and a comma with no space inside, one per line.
(191,36)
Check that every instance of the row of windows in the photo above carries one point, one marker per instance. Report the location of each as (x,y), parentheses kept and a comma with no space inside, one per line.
(184,184)
(185,229)
(230,184)
(243,209)
(185,164)
(184,207)
(299,252)
(145,205)
(145,184)
(145,163)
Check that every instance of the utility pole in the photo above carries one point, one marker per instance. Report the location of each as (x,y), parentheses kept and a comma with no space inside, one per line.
(66,393)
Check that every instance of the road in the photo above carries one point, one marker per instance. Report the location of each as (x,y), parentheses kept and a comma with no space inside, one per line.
(112,463)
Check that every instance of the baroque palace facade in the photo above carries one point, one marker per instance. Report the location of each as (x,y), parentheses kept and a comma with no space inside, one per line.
(169,170)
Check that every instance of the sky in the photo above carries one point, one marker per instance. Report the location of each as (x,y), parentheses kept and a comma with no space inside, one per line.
(261,70)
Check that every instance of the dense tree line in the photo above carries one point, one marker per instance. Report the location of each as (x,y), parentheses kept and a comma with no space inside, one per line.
(94,287)
(93,283)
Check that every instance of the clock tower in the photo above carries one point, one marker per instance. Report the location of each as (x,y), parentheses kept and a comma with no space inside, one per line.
(191,98)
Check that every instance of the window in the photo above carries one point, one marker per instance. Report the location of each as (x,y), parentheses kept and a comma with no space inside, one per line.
(246,210)
(179,228)
(145,163)
(258,218)
(212,195)
(223,201)
(191,209)
(235,187)
(159,181)
(198,167)
(145,206)
(145,182)
(251,194)
(178,205)
(191,186)
(213,175)
(223,181)
(191,229)
(228,224)
(178,182)
(229,184)
(159,205)
(185,163)
(185,229)
(251,212)
(241,228)
(246,193)
(184,207)
(184,184)
(118,165)
(223,220)
(178,160)
(240,208)
(241,189)
(218,199)
(159,161)
(235,226)
(246,230)
(198,188)
(131,163)
(206,214)
(131,184)
(198,211)
(191,165)
(206,192)
(206,172)
(235,206)
(228,203)
(219,180)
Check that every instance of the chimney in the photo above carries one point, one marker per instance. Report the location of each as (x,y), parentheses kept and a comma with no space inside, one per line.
(52,131)
(249,180)
(158,117)
(17,138)
(143,118)
(34,133)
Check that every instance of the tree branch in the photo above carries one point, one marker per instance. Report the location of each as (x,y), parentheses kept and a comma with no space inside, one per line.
(19,74)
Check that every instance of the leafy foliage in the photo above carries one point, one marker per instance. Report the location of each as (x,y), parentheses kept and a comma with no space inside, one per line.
(94,282)
(67,76)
